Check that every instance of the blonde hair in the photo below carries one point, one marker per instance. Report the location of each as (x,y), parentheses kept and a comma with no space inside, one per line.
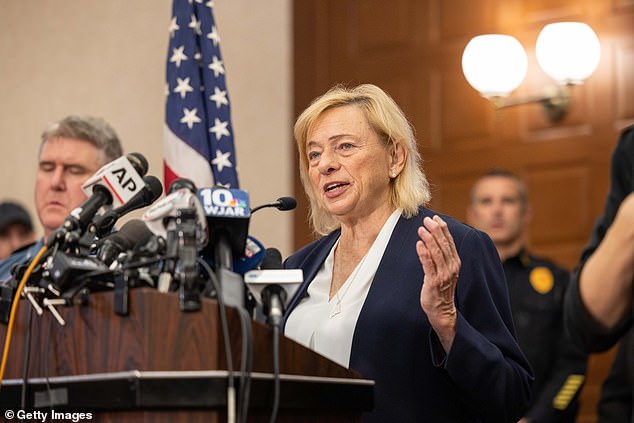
(409,190)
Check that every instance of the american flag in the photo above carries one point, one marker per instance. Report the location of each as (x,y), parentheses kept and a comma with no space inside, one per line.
(198,141)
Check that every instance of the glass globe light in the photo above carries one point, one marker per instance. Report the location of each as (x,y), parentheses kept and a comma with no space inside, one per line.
(494,64)
(568,52)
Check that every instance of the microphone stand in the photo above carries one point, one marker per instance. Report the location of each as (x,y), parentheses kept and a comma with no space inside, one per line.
(231,284)
(171,252)
(187,269)
(231,291)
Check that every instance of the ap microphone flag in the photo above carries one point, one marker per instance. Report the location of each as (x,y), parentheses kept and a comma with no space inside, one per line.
(198,137)
(122,179)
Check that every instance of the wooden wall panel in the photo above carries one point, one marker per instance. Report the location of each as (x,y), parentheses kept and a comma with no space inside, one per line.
(460,18)
(464,124)
(545,10)
(377,36)
(624,82)
(452,193)
(558,194)
(623,5)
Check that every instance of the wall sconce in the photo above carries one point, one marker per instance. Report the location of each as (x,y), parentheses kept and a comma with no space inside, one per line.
(495,65)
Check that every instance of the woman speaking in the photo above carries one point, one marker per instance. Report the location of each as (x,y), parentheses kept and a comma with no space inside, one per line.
(411,299)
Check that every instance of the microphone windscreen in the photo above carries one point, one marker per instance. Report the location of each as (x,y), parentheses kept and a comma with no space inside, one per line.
(154,186)
(139,162)
(286,203)
(131,232)
(272,259)
(127,237)
(182,183)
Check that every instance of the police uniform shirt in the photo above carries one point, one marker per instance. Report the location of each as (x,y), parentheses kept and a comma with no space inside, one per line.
(536,289)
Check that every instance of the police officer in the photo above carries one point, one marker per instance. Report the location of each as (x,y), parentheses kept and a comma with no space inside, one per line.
(499,206)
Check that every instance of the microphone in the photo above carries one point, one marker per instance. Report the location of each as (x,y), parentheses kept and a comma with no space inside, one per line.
(103,224)
(118,180)
(164,213)
(63,270)
(81,216)
(272,286)
(282,204)
(272,259)
(180,220)
(181,183)
(131,233)
(121,177)
(139,162)
(254,250)
(228,213)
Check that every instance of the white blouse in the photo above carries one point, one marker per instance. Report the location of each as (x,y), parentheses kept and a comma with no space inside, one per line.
(327,326)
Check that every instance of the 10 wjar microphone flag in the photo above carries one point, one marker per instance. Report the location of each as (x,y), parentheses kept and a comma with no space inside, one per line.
(198,141)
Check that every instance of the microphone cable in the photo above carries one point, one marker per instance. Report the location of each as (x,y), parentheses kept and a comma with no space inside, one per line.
(231,390)
(276,372)
(14,310)
(49,389)
(247,363)
(27,359)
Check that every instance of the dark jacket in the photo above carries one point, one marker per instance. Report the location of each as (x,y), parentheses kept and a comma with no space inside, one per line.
(484,378)
(536,288)
(21,256)
(616,401)
(583,330)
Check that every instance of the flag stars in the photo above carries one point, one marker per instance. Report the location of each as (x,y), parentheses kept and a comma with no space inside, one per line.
(178,56)
(193,57)
(220,129)
(190,117)
(222,160)
(214,36)
(219,97)
(195,25)
(216,66)
(183,87)
(173,27)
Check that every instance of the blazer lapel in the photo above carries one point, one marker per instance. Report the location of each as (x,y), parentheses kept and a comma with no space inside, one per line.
(310,266)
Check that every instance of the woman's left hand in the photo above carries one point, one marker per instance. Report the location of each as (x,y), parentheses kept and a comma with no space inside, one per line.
(441,264)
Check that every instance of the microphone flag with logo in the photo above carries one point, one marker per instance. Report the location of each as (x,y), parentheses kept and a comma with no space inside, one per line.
(122,177)
(228,214)
(198,136)
(115,183)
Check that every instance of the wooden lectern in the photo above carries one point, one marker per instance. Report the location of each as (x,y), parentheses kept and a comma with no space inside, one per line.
(159,364)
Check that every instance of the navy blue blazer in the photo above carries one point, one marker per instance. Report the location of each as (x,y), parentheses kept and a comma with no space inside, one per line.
(484,377)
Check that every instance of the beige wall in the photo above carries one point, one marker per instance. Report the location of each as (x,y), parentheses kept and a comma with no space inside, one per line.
(107,58)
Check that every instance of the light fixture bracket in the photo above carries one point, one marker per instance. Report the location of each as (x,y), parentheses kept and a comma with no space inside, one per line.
(555,104)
